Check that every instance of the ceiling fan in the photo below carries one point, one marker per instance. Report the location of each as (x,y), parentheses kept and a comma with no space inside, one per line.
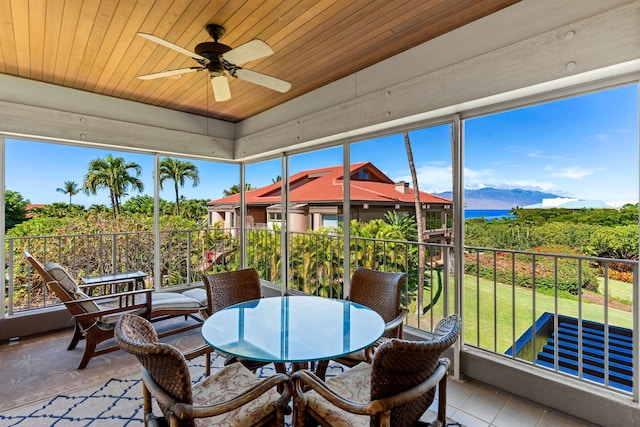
(217,57)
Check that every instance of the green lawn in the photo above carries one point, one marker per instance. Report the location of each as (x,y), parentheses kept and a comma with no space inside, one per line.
(499,305)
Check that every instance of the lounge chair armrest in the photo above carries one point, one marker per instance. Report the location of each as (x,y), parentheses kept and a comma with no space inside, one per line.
(106,287)
(127,302)
(128,295)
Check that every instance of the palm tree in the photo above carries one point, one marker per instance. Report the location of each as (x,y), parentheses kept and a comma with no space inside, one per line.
(419,222)
(235,189)
(71,188)
(177,171)
(112,173)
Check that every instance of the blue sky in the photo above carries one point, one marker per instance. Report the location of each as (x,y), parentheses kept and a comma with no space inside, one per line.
(585,147)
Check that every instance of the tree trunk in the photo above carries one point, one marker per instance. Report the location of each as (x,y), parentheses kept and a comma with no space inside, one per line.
(420,224)
(175,183)
(114,202)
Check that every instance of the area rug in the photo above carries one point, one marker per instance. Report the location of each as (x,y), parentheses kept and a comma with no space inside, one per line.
(117,402)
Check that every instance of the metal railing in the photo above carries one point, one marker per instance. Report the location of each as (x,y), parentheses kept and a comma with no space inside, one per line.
(574,315)
(184,256)
(514,302)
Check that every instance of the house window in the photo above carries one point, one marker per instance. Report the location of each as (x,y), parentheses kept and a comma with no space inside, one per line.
(275,217)
(363,174)
(329,220)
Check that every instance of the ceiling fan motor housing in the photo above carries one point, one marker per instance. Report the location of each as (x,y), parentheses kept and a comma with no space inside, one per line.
(212,51)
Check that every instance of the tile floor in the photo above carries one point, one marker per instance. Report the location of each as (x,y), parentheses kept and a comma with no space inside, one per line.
(36,367)
(478,405)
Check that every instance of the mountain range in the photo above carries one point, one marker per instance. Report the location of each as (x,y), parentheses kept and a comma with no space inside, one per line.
(495,198)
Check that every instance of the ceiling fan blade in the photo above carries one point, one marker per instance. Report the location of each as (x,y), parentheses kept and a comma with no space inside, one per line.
(173,47)
(261,79)
(169,73)
(221,91)
(250,51)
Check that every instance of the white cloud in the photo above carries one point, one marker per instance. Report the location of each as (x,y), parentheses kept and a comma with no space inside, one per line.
(434,177)
(569,172)
(437,177)
(539,154)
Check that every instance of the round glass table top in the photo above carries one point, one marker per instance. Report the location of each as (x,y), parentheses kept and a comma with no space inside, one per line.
(292,329)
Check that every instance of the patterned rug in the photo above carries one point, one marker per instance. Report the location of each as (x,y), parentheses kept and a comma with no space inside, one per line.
(118,402)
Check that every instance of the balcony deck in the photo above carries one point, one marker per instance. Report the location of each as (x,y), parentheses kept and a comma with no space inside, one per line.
(35,368)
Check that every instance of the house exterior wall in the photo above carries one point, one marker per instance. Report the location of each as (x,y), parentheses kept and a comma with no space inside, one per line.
(299,222)
(215,217)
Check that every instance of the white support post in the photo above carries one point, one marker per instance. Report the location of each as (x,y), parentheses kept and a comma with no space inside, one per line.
(284,229)
(157,271)
(458,233)
(346,215)
(243,218)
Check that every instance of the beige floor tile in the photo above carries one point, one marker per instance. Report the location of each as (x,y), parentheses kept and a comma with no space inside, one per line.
(518,412)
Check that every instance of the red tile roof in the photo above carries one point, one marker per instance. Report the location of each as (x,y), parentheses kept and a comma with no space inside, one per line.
(324,185)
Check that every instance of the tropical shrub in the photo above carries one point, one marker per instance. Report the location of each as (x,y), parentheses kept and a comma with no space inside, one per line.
(568,274)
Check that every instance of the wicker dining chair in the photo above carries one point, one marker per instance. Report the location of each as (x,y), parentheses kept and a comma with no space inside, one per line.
(394,390)
(232,396)
(233,287)
(381,292)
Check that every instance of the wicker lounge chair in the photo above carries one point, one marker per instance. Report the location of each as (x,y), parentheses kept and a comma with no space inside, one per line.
(95,316)
(394,390)
(232,396)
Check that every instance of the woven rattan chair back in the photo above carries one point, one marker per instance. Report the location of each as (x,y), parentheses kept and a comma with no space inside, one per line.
(380,291)
(231,287)
(165,363)
(399,365)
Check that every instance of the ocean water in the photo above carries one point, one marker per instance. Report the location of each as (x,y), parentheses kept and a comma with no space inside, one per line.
(486,213)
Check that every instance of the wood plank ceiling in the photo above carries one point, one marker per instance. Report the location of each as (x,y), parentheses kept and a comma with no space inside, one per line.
(92,45)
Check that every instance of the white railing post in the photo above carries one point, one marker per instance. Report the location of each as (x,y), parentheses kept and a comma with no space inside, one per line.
(188,257)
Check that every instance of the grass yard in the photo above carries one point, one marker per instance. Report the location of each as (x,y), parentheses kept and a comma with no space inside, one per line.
(486,305)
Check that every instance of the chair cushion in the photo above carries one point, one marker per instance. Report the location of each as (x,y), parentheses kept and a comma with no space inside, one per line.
(355,385)
(172,300)
(113,318)
(197,294)
(225,384)
(62,276)
(160,301)
(358,356)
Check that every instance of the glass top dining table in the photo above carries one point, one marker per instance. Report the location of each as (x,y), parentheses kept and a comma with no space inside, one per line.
(292,329)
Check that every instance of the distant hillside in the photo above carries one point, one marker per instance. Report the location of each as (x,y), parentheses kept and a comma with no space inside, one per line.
(494,198)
